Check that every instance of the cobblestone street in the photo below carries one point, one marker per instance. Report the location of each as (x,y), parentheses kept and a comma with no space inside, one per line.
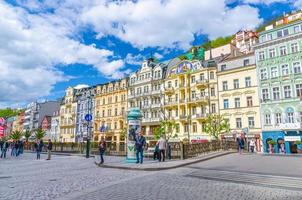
(228,177)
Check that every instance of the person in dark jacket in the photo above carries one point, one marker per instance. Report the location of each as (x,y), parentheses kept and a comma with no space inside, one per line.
(156,153)
(140,144)
(102,149)
(240,142)
(49,148)
(1,144)
(4,149)
(39,146)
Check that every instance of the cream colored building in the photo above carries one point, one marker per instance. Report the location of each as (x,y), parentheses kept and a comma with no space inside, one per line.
(67,120)
(190,96)
(110,112)
(238,94)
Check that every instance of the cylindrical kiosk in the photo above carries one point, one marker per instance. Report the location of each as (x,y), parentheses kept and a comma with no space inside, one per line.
(134,128)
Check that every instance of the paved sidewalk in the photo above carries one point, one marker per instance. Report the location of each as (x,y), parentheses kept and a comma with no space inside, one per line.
(154,165)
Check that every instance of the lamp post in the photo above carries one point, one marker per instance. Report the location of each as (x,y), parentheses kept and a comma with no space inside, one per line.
(88,118)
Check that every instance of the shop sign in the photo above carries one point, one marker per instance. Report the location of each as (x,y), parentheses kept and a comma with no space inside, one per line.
(290,126)
(292,138)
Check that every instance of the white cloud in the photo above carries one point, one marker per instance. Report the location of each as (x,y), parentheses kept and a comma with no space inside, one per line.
(173,23)
(267,2)
(134,59)
(33,44)
(80,86)
(298,4)
(158,55)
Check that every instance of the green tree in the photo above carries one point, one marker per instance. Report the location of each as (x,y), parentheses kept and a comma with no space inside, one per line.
(215,125)
(124,134)
(166,129)
(16,135)
(39,134)
(8,112)
(27,135)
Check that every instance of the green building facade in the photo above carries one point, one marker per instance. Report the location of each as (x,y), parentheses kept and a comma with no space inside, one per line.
(279,60)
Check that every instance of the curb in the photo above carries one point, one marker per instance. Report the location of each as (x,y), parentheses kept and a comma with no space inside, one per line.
(165,168)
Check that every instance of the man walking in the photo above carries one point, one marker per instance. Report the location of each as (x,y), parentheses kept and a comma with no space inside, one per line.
(39,146)
(102,149)
(252,145)
(162,149)
(140,144)
(4,149)
(49,148)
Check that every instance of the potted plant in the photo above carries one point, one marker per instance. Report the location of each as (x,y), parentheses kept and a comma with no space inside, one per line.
(299,146)
(271,144)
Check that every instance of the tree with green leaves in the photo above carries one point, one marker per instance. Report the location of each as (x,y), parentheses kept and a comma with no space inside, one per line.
(16,135)
(8,112)
(39,134)
(166,129)
(27,135)
(216,125)
(124,134)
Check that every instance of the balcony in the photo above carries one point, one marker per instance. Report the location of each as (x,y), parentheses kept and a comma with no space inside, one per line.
(182,86)
(171,103)
(201,116)
(202,83)
(183,117)
(151,120)
(155,92)
(169,90)
(155,105)
(146,106)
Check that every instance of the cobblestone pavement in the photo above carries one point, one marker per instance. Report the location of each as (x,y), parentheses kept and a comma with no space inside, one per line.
(72,177)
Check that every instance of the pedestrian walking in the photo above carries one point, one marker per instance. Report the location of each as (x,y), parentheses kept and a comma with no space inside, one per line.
(102,149)
(1,144)
(13,148)
(240,142)
(140,144)
(4,149)
(39,146)
(49,148)
(17,148)
(252,145)
(162,148)
(156,153)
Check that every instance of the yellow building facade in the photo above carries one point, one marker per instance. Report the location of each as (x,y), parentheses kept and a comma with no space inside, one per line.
(67,119)
(238,94)
(190,96)
(110,113)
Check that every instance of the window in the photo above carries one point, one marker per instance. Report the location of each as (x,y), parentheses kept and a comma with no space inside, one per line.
(223,67)
(224,85)
(290,117)
(202,76)
(294,47)
(285,32)
(299,90)
(248,82)
(249,101)
(225,103)
(238,123)
(300,116)
(297,67)
(169,84)
(237,102)
(278,118)
(193,79)
(283,51)
(261,55)
(213,107)
(287,91)
(212,92)
(194,110)
(194,127)
(279,34)
(263,74)
(236,83)
(211,75)
(251,122)
(272,53)
(269,37)
(276,93)
(285,70)
(176,83)
(246,62)
(186,127)
(268,120)
(115,111)
(265,94)
(296,29)
(274,72)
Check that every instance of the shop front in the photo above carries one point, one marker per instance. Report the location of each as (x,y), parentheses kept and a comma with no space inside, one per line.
(282,141)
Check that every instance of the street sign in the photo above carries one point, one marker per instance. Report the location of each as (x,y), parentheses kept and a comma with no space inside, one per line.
(88,117)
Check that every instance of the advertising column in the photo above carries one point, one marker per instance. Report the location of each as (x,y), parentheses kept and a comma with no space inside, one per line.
(134,127)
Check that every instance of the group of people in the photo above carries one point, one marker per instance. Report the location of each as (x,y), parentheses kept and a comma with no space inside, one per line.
(241,144)
(39,144)
(17,148)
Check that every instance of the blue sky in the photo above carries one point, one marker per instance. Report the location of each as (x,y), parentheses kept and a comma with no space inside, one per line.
(49,45)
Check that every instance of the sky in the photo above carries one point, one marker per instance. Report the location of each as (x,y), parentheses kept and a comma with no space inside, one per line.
(48,45)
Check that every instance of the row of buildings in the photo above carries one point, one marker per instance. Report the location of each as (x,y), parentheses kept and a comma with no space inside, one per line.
(254,82)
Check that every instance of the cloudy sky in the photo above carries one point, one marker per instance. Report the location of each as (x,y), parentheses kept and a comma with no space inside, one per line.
(47,45)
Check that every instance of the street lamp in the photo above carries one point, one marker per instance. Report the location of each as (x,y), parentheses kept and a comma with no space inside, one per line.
(88,118)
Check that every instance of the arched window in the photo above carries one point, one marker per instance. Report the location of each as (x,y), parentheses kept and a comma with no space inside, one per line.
(290,115)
